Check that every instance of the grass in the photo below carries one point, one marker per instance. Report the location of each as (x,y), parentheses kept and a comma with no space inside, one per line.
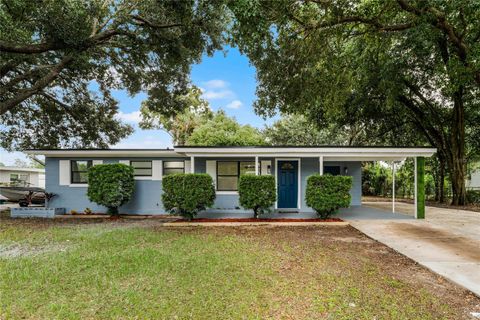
(137,270)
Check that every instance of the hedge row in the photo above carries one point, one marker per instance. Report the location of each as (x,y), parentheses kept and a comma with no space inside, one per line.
(112,185)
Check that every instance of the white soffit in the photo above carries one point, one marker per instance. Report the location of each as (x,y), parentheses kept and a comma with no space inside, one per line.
(328,153)
(105,153)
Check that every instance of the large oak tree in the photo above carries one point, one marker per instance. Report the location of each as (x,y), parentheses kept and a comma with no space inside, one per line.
(55,54)
(396,65)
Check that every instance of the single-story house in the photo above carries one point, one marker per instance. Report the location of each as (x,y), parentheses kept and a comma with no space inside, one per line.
(31,177)
(66,172)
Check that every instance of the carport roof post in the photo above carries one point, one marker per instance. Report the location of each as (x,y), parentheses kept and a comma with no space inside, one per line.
(420,188)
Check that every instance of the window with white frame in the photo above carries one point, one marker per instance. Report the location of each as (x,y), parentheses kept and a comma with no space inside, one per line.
(141,168)
(171,167)
(228,173)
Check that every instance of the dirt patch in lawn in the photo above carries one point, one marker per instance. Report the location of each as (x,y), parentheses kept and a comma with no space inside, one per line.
(20,250)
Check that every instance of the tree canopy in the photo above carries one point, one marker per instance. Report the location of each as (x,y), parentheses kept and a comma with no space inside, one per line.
(407,69)
(222,130)
(56,53)
(180,125)
(297,129)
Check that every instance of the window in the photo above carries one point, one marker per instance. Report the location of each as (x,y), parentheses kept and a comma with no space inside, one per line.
(229,171)
(333,170)
(79,170)
(171,167)
(19,179)
(141,168)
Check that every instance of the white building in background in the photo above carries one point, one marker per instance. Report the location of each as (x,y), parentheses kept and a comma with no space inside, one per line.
(29,177)
(474,182)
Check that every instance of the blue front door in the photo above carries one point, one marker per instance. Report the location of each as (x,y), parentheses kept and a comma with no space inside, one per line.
(287,184)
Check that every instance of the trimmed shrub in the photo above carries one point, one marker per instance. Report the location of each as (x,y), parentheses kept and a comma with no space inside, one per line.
(187,193)
(257,193)
(327,193)
(110,185)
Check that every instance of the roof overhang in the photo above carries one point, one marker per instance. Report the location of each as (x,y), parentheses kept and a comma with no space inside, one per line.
(328,153)
(20,169)
(107,153)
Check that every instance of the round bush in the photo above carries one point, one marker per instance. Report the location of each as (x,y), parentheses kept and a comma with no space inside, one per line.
(327,193)
(187,193)
(257,193)
(110,185)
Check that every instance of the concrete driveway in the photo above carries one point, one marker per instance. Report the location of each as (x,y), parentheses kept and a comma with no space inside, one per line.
(446,242)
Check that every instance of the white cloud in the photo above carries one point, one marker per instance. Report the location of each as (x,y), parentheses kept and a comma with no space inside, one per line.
(132,117)
(221,94)
(216,89)
(216,84)
(235,104)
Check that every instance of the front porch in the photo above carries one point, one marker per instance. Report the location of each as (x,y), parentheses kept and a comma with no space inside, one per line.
(291,167)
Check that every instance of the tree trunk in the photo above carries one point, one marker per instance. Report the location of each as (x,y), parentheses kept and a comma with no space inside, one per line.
(439,178)
(441,181)
(255,212)
(456,159)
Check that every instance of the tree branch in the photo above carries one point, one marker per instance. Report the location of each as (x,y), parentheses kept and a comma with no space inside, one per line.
(371,22)
(144,21)
(24,94)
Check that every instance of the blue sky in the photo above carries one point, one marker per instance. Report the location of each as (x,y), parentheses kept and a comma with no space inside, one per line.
(228,82)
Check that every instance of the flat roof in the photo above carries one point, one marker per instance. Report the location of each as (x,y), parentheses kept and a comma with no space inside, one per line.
(21,169)
(330,153)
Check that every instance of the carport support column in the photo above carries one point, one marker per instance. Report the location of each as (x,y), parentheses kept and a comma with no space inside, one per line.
(256,165)
(420,188)
(393,186)
(192,164)
(320,163)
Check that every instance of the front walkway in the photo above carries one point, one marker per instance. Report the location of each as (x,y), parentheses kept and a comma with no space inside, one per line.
(352,213)
(446,242)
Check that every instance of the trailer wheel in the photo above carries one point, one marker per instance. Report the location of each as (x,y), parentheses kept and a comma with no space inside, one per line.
(23,203)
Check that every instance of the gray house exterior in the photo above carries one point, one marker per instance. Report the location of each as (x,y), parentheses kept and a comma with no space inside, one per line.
(65,172)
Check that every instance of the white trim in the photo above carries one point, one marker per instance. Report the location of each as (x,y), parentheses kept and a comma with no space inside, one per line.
(157,170)
(211,169)
(78,185)
(264,167)
(187,166)
(143,178)
(130,153)
(364,153)
(299,191)
(17,169)
(226,192)
(64,173)
(415,187)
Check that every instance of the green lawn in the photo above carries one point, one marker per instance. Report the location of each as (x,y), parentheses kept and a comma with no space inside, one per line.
(142,270)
